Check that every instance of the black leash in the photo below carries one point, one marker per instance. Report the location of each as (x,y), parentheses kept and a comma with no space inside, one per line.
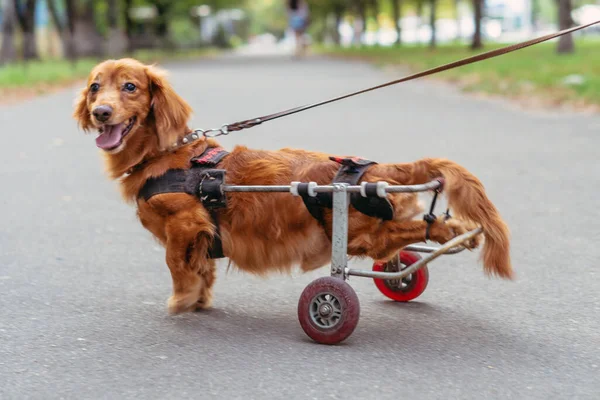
(249,123)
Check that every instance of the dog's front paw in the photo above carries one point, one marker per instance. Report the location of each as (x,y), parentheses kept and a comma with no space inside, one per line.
(205,301)
(178,304)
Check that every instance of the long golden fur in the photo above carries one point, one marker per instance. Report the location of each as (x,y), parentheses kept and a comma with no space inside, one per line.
(262,232)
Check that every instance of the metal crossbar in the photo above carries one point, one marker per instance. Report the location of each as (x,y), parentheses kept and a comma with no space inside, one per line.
(330,188)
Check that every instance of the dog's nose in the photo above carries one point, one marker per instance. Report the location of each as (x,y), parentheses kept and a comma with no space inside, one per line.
(102,113)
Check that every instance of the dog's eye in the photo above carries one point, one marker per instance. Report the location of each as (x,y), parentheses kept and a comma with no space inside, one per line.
(130,87)
(94,87)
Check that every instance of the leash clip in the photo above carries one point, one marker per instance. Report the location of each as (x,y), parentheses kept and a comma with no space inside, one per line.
(215,132)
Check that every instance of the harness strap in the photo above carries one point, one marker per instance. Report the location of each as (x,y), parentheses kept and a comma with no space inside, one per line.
(431,218)
(351,171)
(173,181)
(315,204)
(216,250)
(189,181)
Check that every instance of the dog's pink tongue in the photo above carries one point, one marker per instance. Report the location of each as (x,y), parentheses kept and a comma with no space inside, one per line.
(111,137)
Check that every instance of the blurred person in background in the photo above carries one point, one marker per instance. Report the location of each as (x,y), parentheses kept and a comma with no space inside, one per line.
(299,19)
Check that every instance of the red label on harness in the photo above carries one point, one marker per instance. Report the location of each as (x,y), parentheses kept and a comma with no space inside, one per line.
(211,156)
(351,161)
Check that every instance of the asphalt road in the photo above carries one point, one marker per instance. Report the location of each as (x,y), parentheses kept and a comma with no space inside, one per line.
(83,287)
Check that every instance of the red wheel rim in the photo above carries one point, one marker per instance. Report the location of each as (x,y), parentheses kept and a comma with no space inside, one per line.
(345,306)
(408,289)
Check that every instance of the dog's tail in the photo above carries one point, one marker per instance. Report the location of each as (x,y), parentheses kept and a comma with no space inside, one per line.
(468,201)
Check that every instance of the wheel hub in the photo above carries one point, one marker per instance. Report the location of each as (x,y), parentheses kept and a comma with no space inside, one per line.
(325,310)
(396,285)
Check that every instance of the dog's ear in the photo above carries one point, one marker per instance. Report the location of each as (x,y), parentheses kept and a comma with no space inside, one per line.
(81,113)
(171,112)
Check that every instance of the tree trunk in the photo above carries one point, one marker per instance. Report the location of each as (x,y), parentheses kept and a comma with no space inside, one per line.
(362,12)
(535,11)
(116,43)
(88,40)
(54,15)
(478,15)
(360,23)
(419,18)
(64,29)
(419,10)
(128,25)
(113,14)
(70,11)
(565,42)
(162,23)
(26,16)
(457,17)
(8,52)
(432,15)
(338,13)
(397,14)
(375,7)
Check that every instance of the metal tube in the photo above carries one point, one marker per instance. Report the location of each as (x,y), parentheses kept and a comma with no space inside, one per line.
(414,267)
(427,249)
(414,188)
(330,188)
(339,237)
(255,188)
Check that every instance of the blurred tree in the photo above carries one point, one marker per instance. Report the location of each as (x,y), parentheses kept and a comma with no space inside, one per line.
(8,52)
(477,15)
(25,11)
(116,42)
(432,18)
(326,17)
(88,40)
(535,11)
(374,5)
(457,18)
(113,8)
(271,17)
(396,16)
(174,16)
(163,9)
(65,27)
(129,25)
(339,7)
(420,8)
(361,26)
(113,13)
(565,21)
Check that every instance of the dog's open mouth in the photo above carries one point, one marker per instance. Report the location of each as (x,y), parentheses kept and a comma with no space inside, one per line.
(111,136)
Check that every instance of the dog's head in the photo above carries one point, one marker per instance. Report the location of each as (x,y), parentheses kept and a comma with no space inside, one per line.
(125,95)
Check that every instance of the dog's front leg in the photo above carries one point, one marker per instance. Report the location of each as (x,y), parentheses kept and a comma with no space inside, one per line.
(193,274)
(187,284)
(207,271)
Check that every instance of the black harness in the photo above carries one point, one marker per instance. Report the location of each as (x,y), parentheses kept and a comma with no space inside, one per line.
(202,181)
(205,182)
(352,169)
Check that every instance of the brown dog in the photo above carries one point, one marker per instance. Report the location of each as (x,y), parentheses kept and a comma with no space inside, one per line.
(139,116)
